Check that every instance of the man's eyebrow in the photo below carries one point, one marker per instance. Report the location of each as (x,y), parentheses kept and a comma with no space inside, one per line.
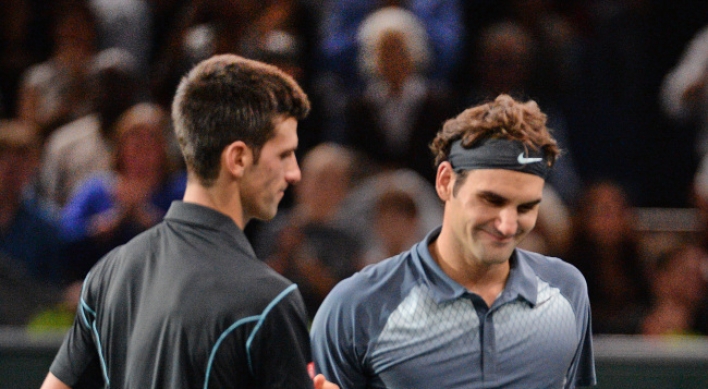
(532,203)
(496,197)
(492,196)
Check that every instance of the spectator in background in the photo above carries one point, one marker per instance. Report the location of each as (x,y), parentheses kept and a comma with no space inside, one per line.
(204,28)
(57,91)
(400,109)
(684,90)
(359,212)
(395,225)
(442,20)
(338,77)
(679,290)
(83,146)
(552,234)
(606,249)
(505,61)
(29,235)
(127,25)
(32,260)
(111,207)
(304,243)
(558,46)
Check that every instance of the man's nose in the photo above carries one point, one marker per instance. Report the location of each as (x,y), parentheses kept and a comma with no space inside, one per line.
(292,172)
(508,222)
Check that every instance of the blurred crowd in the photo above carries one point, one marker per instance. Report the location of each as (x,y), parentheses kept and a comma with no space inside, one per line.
(88,159)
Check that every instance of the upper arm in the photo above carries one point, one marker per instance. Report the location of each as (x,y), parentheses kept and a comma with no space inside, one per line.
(583,368)
(279,347)
(52,382)
(334,342)
(78,360)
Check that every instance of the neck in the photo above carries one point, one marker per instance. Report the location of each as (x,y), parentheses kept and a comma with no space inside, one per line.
(485,280)
(217,197)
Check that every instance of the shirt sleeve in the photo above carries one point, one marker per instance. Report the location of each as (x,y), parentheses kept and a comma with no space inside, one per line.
(77,364)
(279,347)
(582,370)
(334,341)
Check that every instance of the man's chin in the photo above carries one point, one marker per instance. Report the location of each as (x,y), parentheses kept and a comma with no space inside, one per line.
(498,255)
(267,215)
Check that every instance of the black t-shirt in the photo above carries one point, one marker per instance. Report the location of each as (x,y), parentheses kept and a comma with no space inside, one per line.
(187,305)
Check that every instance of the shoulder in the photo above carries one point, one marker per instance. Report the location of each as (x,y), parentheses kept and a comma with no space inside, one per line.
(73,133)
(555,271)
(369,294)
(39,74)
(555,267)
(558,274)
(101,275)
(375,278)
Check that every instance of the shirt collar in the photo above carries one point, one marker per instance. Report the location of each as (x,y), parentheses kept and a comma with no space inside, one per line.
(522,282)
(210,218)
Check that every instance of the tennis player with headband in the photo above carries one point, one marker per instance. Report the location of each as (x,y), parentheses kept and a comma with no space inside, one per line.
(466,308)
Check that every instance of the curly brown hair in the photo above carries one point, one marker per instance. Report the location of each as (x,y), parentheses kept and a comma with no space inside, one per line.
(505,118)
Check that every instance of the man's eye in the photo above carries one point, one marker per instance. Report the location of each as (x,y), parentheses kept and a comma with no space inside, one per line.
(526,208)
(494,201)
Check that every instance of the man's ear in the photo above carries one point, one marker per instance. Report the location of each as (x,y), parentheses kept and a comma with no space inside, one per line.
(444,181)
(236,157)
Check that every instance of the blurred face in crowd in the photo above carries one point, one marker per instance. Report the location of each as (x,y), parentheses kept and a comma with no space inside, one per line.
(684,277)
(325,183)
(608,218)
(142,150)
(393,60)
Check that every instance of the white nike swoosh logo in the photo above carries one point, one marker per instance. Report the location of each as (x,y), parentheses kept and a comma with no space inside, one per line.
(525,161)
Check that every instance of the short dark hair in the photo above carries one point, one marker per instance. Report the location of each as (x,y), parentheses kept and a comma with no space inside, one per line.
(227,98)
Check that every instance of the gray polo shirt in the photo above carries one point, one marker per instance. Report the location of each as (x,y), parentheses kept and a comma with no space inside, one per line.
(187,305)
(403,323)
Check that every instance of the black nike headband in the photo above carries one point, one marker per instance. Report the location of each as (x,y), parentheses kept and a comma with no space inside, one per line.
(496,153)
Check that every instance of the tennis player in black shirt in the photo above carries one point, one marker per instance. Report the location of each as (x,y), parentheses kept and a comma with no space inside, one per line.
(187,304)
